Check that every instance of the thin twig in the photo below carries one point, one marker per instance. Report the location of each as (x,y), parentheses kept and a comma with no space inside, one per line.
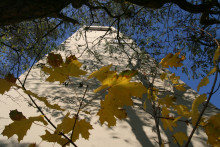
(176,141)
(48,120)
(203,110)
(77,114)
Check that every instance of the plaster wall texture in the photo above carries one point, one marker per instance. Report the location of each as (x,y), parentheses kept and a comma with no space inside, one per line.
(95,48)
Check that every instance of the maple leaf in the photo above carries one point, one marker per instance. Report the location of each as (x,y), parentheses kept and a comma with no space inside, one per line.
(182,110)
(32,145)
(216,55)
(43,99)
(128,73)
(166,59)
(163,76)
(180,137)
(169,123)
(212,71)
(54,138)
(212,129)
(10,78)
(16,115)
(203,82)
(167,120)
(167,100)
(54,60)
(71,58)
(71,68)
(55,74)
(180,87)
(109,111)
(102,73)
(165,112)
(5,86)
(81,127)
(172,60)
(195,113)
(120,91)
(21,127)
(174,79)
(7,83)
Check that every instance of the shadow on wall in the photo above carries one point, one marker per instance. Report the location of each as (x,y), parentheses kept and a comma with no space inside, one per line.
(137,127)
(12,143)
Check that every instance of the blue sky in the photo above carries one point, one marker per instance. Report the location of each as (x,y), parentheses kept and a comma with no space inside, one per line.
(193,83)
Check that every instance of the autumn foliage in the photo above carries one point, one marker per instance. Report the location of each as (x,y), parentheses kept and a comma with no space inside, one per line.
(119,90)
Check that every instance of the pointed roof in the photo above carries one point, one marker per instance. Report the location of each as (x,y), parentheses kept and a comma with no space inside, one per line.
(95,47)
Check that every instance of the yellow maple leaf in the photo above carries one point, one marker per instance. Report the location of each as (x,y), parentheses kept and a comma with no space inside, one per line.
(174,79)
(168,100)
(212,129)
(164,61)
(195,113)
(203,82)
(163,76)
(64,71)
(32,145)
(168,124)
(20,127)
(172,60)
(212,71)
(216,55)
(168,121)
(165,112)
(180,87)
(67,124)
(55,74)
(102,73)
(5,86)
(7,83)
(49,137)
(81,127)
(182,110)
(109,112)
(120,91)
(44,99)
(180,137)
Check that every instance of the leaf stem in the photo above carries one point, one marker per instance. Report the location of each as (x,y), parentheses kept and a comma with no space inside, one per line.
(204,108)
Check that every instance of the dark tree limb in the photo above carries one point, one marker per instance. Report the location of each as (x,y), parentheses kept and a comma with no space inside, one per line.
(15,11)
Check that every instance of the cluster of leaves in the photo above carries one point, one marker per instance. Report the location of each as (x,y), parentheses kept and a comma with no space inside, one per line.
(120,91)
(210,124)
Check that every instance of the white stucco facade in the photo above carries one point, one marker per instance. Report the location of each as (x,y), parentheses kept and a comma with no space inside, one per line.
(96,47)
